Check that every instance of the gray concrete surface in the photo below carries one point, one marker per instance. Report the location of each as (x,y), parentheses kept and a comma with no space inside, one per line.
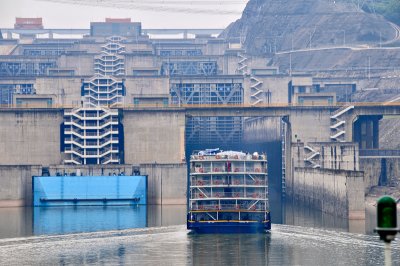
(154,137)
(16,184)
(30,136)
(167,184)
(336,192)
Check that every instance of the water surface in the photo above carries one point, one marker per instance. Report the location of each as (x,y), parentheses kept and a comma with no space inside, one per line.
(172,245)
(157,235)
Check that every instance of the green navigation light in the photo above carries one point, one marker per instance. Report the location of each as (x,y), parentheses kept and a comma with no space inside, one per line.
(387,213)
(387,219)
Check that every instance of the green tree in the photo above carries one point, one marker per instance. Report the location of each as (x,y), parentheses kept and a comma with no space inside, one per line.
(390,9)
(393,11)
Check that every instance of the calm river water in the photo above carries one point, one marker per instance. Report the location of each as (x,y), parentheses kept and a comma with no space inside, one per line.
(158,236)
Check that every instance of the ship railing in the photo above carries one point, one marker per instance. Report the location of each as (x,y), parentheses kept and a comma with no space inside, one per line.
(218,182)
(238,169)
(227,207)
(229,195)
(255,170)
(256,182)
(235,182)
(201,170)
(228,157)
(201,183)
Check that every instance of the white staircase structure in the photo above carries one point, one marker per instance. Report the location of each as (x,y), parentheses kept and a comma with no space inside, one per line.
(338,124)
(255,87)
(91,136)
(103,91)
(111,62)
(242,68)
(312,157)
(256,90)
(91,132)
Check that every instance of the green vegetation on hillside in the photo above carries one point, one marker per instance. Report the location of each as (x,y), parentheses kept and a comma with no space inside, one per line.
(390,9)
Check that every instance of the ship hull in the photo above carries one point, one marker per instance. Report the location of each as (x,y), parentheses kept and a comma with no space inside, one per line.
(230,227)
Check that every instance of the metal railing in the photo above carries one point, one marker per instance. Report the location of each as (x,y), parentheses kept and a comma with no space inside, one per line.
(379,153)
(234,182)
(205,170)
(228,207)
(230,195)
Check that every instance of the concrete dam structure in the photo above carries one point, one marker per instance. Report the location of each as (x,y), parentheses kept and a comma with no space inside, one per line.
(125,103)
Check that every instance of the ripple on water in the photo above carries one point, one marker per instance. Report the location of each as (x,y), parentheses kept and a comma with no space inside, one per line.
(172,245)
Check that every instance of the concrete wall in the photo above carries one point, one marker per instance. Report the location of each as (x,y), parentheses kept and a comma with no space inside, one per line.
(230,64)
(332,155)
(332,191)
(277,85)
(372,168)
(216,47)
(16,184)
(33,136)
(262,129)
(310,125)
(30,136)
(145,86)
(66,89)
(154,136)
(82,63)
(134,61)
(167,184)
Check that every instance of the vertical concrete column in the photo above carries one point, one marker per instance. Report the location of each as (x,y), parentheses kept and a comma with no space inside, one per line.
(355,195)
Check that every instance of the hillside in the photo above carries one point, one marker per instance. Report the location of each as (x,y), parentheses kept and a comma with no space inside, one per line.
(329,39)
(269,26)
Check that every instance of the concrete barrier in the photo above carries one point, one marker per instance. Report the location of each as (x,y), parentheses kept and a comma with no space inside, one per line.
(338,192)
(385,170)
(167,183)
(16,184)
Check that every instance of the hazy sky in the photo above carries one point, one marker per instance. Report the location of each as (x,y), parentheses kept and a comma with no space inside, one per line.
(193,13)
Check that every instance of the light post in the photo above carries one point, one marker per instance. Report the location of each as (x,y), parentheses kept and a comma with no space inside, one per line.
(387,224)
(344,38)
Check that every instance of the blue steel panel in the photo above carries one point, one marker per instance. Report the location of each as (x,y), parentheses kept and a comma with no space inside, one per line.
(89,190)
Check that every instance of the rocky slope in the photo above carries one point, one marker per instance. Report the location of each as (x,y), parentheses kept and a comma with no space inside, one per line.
(268,26)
